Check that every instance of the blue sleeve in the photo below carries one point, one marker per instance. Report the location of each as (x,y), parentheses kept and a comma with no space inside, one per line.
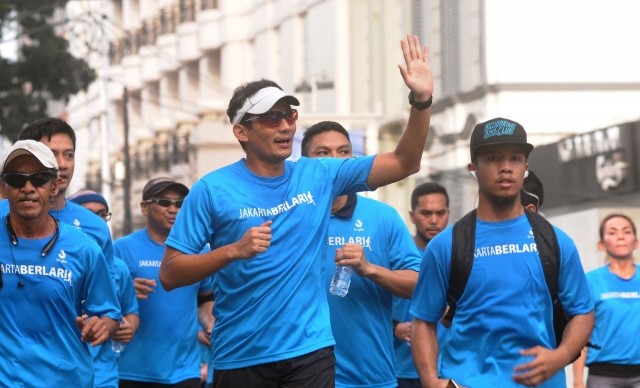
(195,224)
(100,297)
(404,253)
(349,175)
(127,292)
(573,288)
(430,295)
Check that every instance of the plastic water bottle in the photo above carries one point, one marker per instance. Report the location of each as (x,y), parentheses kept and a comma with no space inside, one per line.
(341,280)
(116,346)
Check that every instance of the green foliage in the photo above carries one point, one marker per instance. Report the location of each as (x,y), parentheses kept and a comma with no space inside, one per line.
(44,69)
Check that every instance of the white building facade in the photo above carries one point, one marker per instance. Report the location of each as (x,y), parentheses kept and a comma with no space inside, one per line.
(559,68)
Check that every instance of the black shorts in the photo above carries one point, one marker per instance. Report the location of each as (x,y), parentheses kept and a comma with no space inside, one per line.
(313,370)
(190,383)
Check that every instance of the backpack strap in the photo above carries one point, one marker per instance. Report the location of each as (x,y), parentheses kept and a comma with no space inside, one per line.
(549,252)
(464,240)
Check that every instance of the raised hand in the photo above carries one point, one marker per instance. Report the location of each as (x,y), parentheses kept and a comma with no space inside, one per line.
(416,72)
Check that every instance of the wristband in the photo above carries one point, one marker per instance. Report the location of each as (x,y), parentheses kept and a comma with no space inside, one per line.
(420,105)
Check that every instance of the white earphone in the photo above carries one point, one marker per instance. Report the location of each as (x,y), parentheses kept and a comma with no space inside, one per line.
(473,174)
(526,174)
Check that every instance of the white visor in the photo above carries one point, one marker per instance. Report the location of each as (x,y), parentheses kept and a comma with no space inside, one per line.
(262,101)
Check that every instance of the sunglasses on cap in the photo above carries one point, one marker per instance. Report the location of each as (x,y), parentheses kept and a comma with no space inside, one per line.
(37,179)
(166,202)
(273,119)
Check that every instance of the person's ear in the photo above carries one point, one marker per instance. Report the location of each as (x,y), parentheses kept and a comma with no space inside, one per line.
(601,246)
(3,190)
(240,132)
(55,188)
(472,171)
(531,207)
(144,208)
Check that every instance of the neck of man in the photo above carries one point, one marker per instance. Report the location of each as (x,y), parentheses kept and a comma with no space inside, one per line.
(264,168)
(420,241)
(33,228)
(339,203)
(158,235)
(59,201)
(493,208)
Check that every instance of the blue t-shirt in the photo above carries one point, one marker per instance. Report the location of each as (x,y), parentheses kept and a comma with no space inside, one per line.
(105,361)
(361,321)
(273,306)
(39,339)
(83,219)
(617,317)
(405,366)
(505,306)
(165,347)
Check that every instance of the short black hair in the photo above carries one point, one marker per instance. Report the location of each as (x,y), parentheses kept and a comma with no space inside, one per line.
(244,91)
(47,127)
(532,185)
(318,128)
(425,189)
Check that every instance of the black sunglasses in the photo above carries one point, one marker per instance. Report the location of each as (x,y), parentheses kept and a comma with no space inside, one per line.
(37,179)
(166,202)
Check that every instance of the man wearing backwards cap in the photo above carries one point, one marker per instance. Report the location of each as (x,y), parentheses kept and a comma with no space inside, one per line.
(266,219)
(165,350)
(49,279)
(502,332)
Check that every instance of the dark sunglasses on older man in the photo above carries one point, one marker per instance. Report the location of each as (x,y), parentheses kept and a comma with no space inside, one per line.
(273,119)
(37,179)
(164,202)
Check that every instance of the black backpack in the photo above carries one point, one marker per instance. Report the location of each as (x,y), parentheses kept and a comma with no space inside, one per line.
(464,233)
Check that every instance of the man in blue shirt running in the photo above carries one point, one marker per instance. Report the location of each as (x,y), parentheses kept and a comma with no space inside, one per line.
(105,362)
(502,334)
(430,214)
(165,350)
(266,219)
(57,298)
(371,237)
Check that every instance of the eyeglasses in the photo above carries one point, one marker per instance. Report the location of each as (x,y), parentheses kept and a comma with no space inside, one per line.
(103,214)
(37,179)
(273,119)
(166,202)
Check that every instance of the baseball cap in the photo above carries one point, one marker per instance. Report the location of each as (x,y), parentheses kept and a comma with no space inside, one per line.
(262,101)
(498,131)
(85,196)
(158,185)
(33,148)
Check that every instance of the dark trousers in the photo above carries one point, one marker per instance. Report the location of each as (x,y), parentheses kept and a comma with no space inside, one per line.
(409,383)
(312,370)
(190,383)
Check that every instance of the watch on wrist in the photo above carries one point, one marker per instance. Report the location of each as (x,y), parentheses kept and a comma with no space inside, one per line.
(420,105)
